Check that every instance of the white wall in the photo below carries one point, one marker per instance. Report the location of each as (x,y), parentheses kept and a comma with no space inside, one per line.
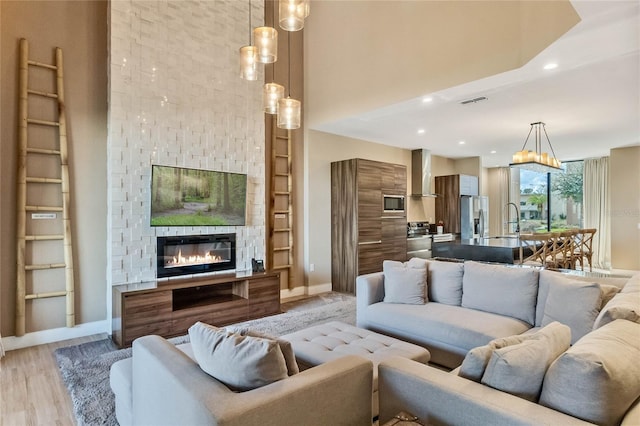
(176,99)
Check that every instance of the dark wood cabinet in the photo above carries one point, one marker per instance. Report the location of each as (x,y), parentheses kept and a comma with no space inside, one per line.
(169,308)
(363,235)
(449,189)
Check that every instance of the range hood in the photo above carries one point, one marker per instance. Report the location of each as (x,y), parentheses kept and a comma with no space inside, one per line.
(421,173)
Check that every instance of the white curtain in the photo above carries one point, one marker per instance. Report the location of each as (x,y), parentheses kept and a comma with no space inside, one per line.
(596,208)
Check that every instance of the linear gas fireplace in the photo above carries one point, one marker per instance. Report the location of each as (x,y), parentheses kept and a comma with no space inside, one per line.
(196,254)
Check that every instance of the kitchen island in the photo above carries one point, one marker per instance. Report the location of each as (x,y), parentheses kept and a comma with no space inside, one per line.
(491,249)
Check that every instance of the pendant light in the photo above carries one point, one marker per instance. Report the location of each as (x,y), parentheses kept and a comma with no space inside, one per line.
(272,92)
(293,13)
(266,39)
(249,57)
(537,160)
(288,108)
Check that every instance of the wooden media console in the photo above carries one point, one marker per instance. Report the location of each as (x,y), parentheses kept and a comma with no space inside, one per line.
(169,308)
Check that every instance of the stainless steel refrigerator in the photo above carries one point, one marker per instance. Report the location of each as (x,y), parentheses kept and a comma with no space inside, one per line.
(474,217)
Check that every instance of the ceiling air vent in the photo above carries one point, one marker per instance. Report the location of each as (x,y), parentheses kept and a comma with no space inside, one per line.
(474,100)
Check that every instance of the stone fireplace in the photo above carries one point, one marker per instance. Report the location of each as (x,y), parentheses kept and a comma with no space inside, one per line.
(195,254)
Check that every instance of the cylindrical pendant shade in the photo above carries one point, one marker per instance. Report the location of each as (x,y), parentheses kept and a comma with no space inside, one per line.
(266,40)
(248,62)
(271,94)
(288,113)
(292,14)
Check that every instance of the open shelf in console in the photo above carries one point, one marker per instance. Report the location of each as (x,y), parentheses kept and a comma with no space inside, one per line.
(206,295)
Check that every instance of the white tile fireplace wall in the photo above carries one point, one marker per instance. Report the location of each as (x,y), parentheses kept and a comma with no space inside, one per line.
(176,98)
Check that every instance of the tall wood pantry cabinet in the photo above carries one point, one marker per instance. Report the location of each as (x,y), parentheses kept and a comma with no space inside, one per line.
(449,189)
(363,235)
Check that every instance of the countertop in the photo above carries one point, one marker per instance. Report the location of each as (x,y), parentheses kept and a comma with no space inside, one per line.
(493,249)
(507,242)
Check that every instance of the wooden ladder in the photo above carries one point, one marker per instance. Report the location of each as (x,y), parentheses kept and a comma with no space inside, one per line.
(24,179)
(281,206)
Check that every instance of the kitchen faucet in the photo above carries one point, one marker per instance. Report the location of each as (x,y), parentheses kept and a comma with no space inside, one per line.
(517,222)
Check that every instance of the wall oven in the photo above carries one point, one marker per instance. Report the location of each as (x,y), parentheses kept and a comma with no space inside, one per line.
(393,203)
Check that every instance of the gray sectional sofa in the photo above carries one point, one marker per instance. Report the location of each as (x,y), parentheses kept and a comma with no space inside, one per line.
(469,305)
(162,384)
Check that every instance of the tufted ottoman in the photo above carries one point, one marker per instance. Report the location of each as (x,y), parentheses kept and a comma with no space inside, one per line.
(324,342)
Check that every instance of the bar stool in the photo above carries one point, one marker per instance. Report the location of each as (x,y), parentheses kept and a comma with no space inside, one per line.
(584,247)
(561,255)
(539,244)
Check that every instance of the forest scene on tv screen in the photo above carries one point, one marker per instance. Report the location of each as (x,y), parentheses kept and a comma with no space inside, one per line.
(190,197)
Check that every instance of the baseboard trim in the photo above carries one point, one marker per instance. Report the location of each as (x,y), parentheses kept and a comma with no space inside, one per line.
(11,343)
(305,290)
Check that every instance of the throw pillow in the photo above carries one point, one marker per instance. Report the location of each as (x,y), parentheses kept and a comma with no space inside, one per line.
(598,378)
(608,293)
(240,362)
(405,282)
(623,306)
(444,282)
(575,304)
(501,290)
(476,360)
(285,347)
(520,369)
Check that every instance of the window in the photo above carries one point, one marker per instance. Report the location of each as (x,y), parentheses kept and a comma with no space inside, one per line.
(550,201)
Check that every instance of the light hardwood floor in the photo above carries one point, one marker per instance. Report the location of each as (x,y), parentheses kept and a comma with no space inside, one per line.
(31,389)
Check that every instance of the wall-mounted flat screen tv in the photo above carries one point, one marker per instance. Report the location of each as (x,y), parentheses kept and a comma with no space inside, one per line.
(192,197)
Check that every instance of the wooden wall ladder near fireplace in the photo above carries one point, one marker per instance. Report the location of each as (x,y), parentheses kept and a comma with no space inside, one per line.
(280,256)
(41,188)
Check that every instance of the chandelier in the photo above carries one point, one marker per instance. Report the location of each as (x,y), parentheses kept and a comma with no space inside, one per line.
(537,161)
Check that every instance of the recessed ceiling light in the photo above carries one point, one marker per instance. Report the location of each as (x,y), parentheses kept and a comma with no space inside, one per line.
(421,131)
(493,152)
(550,66)
(461,143)
(427,99)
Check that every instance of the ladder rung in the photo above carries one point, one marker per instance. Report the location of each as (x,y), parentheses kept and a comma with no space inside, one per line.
(43,209)
(282,230)
(44,266)
(45,295)
(43,237)
(40,93)
(282,248)
(282,193)
(282,137)
(282,174)
(43,151)
(43,122)
(40,64)
(43,180)
(281,211)
(282,267)
(282,156)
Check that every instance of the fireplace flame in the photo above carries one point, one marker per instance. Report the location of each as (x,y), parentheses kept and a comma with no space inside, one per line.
(197,259)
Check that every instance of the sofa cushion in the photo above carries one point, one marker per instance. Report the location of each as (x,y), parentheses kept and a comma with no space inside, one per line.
(519,369)
(455,326)
(240,362)
(405,282)
(444,282)
(623,306)
(501,290)
(602,366)
(285,346)
(633,285)
(476,360)
(575,304)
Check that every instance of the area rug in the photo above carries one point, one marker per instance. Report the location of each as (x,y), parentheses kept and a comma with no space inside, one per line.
(85,368)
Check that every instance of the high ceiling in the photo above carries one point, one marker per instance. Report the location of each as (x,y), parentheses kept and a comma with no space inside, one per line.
(590,102)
